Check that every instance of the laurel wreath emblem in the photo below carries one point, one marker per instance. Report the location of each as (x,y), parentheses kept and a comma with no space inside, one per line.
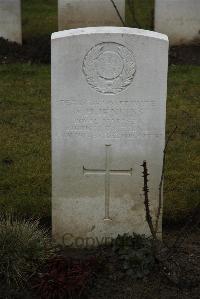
(125,74)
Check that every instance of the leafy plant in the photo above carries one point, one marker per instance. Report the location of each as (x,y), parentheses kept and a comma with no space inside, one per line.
(135,253)
(23,247)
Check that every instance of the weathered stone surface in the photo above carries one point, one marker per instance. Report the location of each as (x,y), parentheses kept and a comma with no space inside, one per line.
(179,19)
(10,20)
(109,90)
(88,13)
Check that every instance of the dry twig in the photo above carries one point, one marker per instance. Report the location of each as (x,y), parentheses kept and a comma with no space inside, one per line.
(146,199)
(118,13)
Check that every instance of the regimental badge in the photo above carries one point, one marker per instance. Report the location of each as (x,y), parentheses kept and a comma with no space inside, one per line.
(109,67)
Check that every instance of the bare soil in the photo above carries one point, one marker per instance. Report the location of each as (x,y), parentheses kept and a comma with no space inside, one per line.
(178,276)
(38,50)
(176,273)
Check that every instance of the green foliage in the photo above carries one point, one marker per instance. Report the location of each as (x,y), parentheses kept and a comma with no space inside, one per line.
(23,248)
(135,253)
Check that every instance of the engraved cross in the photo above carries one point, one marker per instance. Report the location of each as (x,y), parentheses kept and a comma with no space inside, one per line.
(107,172)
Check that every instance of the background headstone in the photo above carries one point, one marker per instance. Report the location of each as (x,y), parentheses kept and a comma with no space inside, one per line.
(179,19)
(10,20)
(89,13)
(109,89)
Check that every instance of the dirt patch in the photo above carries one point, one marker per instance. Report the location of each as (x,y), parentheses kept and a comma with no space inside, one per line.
(177,277)
(38,50)
(185,54)
(35,50)
(97,275)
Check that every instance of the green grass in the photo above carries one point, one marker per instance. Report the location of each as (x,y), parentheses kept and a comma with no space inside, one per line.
(25,138)
(182,182)
(25,166)
(24,247)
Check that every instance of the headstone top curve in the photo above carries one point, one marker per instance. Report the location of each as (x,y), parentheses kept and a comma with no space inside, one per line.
(109,29)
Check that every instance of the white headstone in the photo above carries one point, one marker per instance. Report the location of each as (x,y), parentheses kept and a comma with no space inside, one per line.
(10,20)
(179,19)
(89,13)
(109,88)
